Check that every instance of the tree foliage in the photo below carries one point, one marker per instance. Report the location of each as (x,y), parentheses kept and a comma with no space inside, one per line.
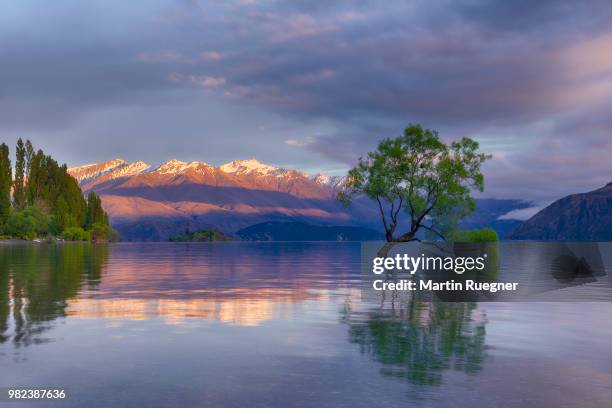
(95,214)
(419,177)
(46,199)
(27,223)
(201,235)
(49,185)
(19,198)
(5,183)
(75,234)
(476,235)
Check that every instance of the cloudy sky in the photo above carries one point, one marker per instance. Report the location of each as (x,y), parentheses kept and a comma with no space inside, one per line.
(313,84)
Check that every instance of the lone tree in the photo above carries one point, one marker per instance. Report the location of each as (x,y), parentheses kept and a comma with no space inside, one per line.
(418,175)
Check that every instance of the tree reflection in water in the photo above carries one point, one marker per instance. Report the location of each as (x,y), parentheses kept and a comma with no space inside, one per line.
(37,280)
(422,339)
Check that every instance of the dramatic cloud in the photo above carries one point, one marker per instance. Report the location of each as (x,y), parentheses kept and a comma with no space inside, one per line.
(314,84)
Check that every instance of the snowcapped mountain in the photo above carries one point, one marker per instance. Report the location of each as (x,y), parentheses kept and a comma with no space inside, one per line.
(88,171)
(145,203)
(112,168)
(178,167)
(334,182)
(253,166)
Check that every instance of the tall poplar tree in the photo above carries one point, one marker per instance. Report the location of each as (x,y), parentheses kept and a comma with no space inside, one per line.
(95,213)
(5,183)
(19,198)
(29,154)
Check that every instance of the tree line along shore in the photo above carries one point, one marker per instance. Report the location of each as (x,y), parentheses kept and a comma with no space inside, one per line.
(40,200)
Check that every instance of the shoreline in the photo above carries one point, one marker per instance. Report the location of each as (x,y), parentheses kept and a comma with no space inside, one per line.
(14,241)
(17,241)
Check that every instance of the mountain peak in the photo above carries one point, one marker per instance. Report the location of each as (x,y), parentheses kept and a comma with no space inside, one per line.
(176,166)
(251,166)
(108,170)
(333,182)
(130,169)
(91,170)
(109,163)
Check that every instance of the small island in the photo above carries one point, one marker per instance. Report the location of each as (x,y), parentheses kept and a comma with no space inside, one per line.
(201,235)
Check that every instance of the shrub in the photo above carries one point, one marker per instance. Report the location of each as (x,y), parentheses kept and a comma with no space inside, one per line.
(21,225)
(201,235)
(75,234)
(478,235)
(102,232)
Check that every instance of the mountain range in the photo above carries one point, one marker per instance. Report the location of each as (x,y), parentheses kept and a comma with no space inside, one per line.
(154,204)
(244,198)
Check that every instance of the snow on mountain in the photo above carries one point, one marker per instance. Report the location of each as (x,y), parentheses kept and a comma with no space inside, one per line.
(155,205)
(98,172)
(333,182)
(120,168)
(95,175)
(89,171)
(130,169)
(253,166)
(178,167)
(178,195)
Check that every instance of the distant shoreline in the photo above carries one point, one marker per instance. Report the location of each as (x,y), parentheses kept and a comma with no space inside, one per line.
(18,241)
(12,241)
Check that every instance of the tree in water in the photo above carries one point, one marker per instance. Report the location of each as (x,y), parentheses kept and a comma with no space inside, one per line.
(418,175)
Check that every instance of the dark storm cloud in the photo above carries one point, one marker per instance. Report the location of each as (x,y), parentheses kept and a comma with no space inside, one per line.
(530,80)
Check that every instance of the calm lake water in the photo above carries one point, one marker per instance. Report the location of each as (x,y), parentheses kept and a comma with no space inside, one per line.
(279,325)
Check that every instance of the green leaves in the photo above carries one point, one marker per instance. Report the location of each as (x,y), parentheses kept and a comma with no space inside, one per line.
(44,193)
(19,198)
(5,183)
(419,175)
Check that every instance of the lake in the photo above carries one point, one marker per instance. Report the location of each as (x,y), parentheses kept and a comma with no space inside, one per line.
(281,325)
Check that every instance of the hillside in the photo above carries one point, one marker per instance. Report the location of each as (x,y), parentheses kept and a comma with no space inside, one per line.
(578,217)
(488,213)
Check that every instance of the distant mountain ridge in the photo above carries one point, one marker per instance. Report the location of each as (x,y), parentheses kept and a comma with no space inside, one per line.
(577,217)
(146,203)
(178,195)
(489,212)
(118,168)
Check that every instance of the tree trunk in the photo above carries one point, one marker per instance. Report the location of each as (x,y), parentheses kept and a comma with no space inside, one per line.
(385,249)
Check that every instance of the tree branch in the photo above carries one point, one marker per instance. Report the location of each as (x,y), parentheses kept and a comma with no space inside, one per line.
(382,214)
(434,231)
(399,207)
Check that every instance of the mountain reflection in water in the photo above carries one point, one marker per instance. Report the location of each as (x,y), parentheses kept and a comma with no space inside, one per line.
(281,324)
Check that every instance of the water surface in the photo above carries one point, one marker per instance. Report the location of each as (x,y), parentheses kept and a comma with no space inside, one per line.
(279,325)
